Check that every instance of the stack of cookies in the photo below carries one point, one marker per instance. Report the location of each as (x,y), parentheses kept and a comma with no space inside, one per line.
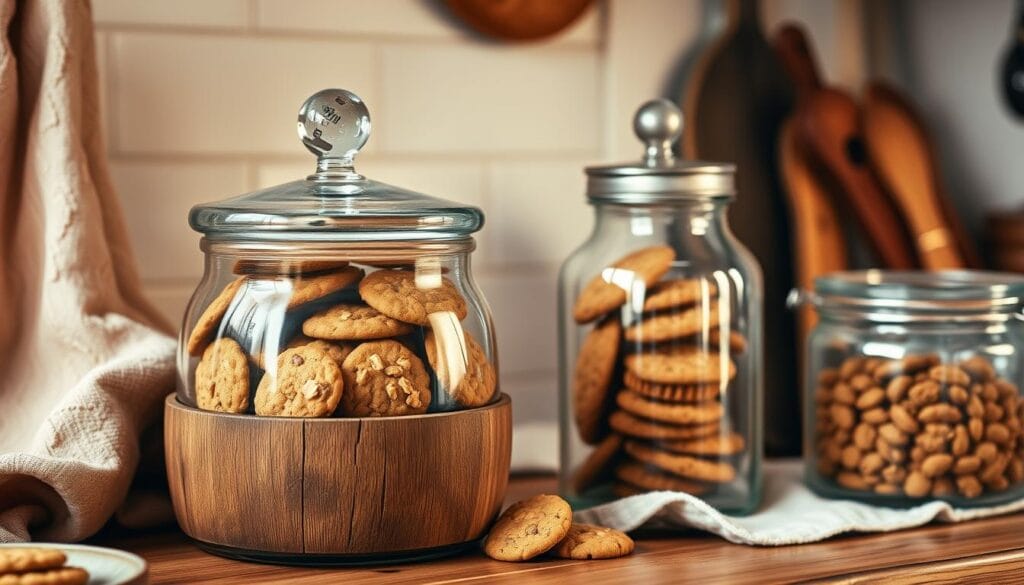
(387,343)
(35,565)
(651,377)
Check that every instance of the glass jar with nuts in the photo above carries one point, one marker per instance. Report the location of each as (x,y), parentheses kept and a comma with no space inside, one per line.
(913,387)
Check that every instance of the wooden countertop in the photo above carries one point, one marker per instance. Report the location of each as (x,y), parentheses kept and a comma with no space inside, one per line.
(984,551)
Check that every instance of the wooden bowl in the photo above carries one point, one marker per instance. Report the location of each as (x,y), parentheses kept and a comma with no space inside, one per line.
(337,490)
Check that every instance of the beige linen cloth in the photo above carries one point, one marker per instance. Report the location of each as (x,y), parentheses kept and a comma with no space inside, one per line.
(84,360)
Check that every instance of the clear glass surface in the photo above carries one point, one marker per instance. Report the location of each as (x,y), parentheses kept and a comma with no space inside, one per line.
(307,296)
(699,431)
(913,389)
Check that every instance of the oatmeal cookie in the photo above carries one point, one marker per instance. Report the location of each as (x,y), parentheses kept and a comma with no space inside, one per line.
(397,294)
(210,319)
(222,377)
(586,541)
(592,378)
(308,382)
(384,378)
(353,322)
(529,528)
(606,291)
(477,384)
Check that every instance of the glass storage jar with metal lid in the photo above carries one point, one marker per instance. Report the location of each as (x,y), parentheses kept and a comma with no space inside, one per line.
(660,333)
(343,300)
(913,387)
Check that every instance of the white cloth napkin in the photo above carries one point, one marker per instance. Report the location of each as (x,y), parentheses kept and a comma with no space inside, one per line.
(789,513)
(85,361)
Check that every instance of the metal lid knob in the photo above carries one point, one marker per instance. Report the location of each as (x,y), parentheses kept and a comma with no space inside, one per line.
(334,124)
(659,124)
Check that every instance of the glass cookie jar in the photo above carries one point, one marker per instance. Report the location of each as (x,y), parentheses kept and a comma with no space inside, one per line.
(913,387)
(660,332)
(337,371)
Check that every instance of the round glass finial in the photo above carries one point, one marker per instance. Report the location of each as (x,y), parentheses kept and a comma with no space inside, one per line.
(659,124)
(334,124)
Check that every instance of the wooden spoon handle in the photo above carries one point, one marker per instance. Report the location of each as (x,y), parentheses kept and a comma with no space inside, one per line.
(791,45)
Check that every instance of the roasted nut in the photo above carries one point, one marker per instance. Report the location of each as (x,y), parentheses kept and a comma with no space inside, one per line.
(842,415)
(851,457)
(975,407)
(978,368)
(949,374)
(939,413)
(961,441)
(828,376)
(888,452)
(1006,388)
(924,393)
(994,469)
(936,465)
(871,463)
(850,367)
(902,419)
(993,412)
(864,436)
(893,435)
(823,395)
(887,489)
(997,433)
(861,382)
(917,485)
(851,480)
(870,398)
(898,387)
(976,428)
(989,392)
(875,416)
(967,464)
(959,395)
(968,486)
(942,486)
(843,393)
(895,474)
(987,452)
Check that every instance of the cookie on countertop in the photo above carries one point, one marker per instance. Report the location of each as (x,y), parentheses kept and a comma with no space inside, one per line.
(308,382)
(672,294)
(641,476)
(680,414)
(208,321)
(587,541)
(222,377)
(351,322)
(682,465)
(384,378)
(597,465)
(676,325)
(683,365)
(713,446)
(627,424)
(57,576)
(601,296)
(685,393)
(478,378)
(592,378)
(30,558)
(529,528)
(310,288)
(397,294)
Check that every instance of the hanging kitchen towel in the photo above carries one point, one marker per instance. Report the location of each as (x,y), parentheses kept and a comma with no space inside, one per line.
(84,360)
(789,513)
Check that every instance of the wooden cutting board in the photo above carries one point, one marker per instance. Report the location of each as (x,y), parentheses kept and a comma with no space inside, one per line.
(735,103)
(901,153)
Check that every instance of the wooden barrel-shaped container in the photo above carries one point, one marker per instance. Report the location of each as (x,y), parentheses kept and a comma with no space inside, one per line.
(337,490)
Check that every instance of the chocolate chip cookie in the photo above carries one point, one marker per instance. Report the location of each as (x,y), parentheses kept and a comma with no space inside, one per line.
(529,528)
(400,295)
(607,291)
(222,377)
(307,382)
(586,541)
(462,363)
(384,378)
(353,322)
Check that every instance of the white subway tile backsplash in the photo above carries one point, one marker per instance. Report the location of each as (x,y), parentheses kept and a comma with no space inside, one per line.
(225,94)
(391,18)
(539,210)
(200,13)
(488,98)
(395,19)
(157,197)
(524,308)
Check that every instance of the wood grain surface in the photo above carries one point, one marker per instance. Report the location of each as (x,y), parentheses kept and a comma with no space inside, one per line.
(337,486)
(985,551)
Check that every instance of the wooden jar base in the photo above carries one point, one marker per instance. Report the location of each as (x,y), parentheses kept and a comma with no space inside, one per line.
(337,490)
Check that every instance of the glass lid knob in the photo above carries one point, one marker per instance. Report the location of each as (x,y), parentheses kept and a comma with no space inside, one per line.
(659,124)
(334,124)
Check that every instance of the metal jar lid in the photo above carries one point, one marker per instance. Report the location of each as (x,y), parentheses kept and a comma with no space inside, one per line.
(336,203)
(659,176)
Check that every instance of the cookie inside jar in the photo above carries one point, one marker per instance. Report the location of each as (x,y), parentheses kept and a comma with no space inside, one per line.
(341,338)
(653,389)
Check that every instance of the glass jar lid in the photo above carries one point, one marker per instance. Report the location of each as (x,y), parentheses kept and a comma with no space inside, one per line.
(949,291)
(335,203)
(659,176)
